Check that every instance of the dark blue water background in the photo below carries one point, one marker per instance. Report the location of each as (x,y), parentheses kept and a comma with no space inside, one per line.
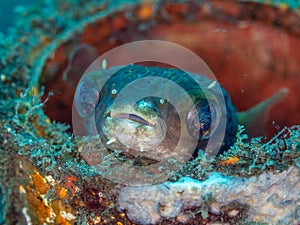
(7,12)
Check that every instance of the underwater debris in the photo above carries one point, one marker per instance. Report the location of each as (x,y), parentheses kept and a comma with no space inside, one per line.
(248,156)
(43,178)
(254,156)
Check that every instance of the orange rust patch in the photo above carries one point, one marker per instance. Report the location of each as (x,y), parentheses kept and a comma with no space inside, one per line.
(56,206)
(40,183)
(145,12)
(37,206)
(230,161)
(107,204)
(62,193)
(39,210)
(61,221)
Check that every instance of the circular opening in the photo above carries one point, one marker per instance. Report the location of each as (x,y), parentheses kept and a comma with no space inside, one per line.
(252,49)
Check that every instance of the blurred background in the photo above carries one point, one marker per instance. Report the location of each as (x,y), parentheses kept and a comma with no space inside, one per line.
(7,12)
(257,48)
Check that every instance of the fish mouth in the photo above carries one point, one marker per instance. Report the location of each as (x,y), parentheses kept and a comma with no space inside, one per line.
(129,130)
(133,117)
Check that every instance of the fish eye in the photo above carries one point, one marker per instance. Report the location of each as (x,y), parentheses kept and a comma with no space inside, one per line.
(202,121)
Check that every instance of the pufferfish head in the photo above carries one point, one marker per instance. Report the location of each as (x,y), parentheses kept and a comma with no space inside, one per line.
(140,126)
(150,111)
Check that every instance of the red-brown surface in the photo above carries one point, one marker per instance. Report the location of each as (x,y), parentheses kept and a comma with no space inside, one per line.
(253,50)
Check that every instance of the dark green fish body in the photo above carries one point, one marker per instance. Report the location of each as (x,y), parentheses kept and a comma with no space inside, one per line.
(161,113)
(138,127)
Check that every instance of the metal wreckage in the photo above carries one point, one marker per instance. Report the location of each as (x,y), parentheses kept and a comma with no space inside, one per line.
(252,47)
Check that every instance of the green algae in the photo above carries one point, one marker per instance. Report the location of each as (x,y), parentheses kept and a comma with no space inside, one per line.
(254,156)
(54,151)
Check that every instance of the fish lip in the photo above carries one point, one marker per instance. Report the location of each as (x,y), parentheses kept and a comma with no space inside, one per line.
(133,117)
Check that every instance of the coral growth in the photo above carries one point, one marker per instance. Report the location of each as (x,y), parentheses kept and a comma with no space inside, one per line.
(45,180)
(219,199)
(256,155)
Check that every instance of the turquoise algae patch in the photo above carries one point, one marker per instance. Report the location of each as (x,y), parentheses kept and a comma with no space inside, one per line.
(45,180)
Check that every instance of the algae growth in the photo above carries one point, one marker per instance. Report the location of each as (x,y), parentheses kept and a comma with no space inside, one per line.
(44,179)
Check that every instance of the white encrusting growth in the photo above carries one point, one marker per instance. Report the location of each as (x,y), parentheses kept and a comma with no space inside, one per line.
(141,148)
(110,141)
(273,198)
(27,217)
(104,64)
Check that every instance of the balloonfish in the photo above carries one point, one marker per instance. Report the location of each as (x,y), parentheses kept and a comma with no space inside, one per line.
(155,111)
